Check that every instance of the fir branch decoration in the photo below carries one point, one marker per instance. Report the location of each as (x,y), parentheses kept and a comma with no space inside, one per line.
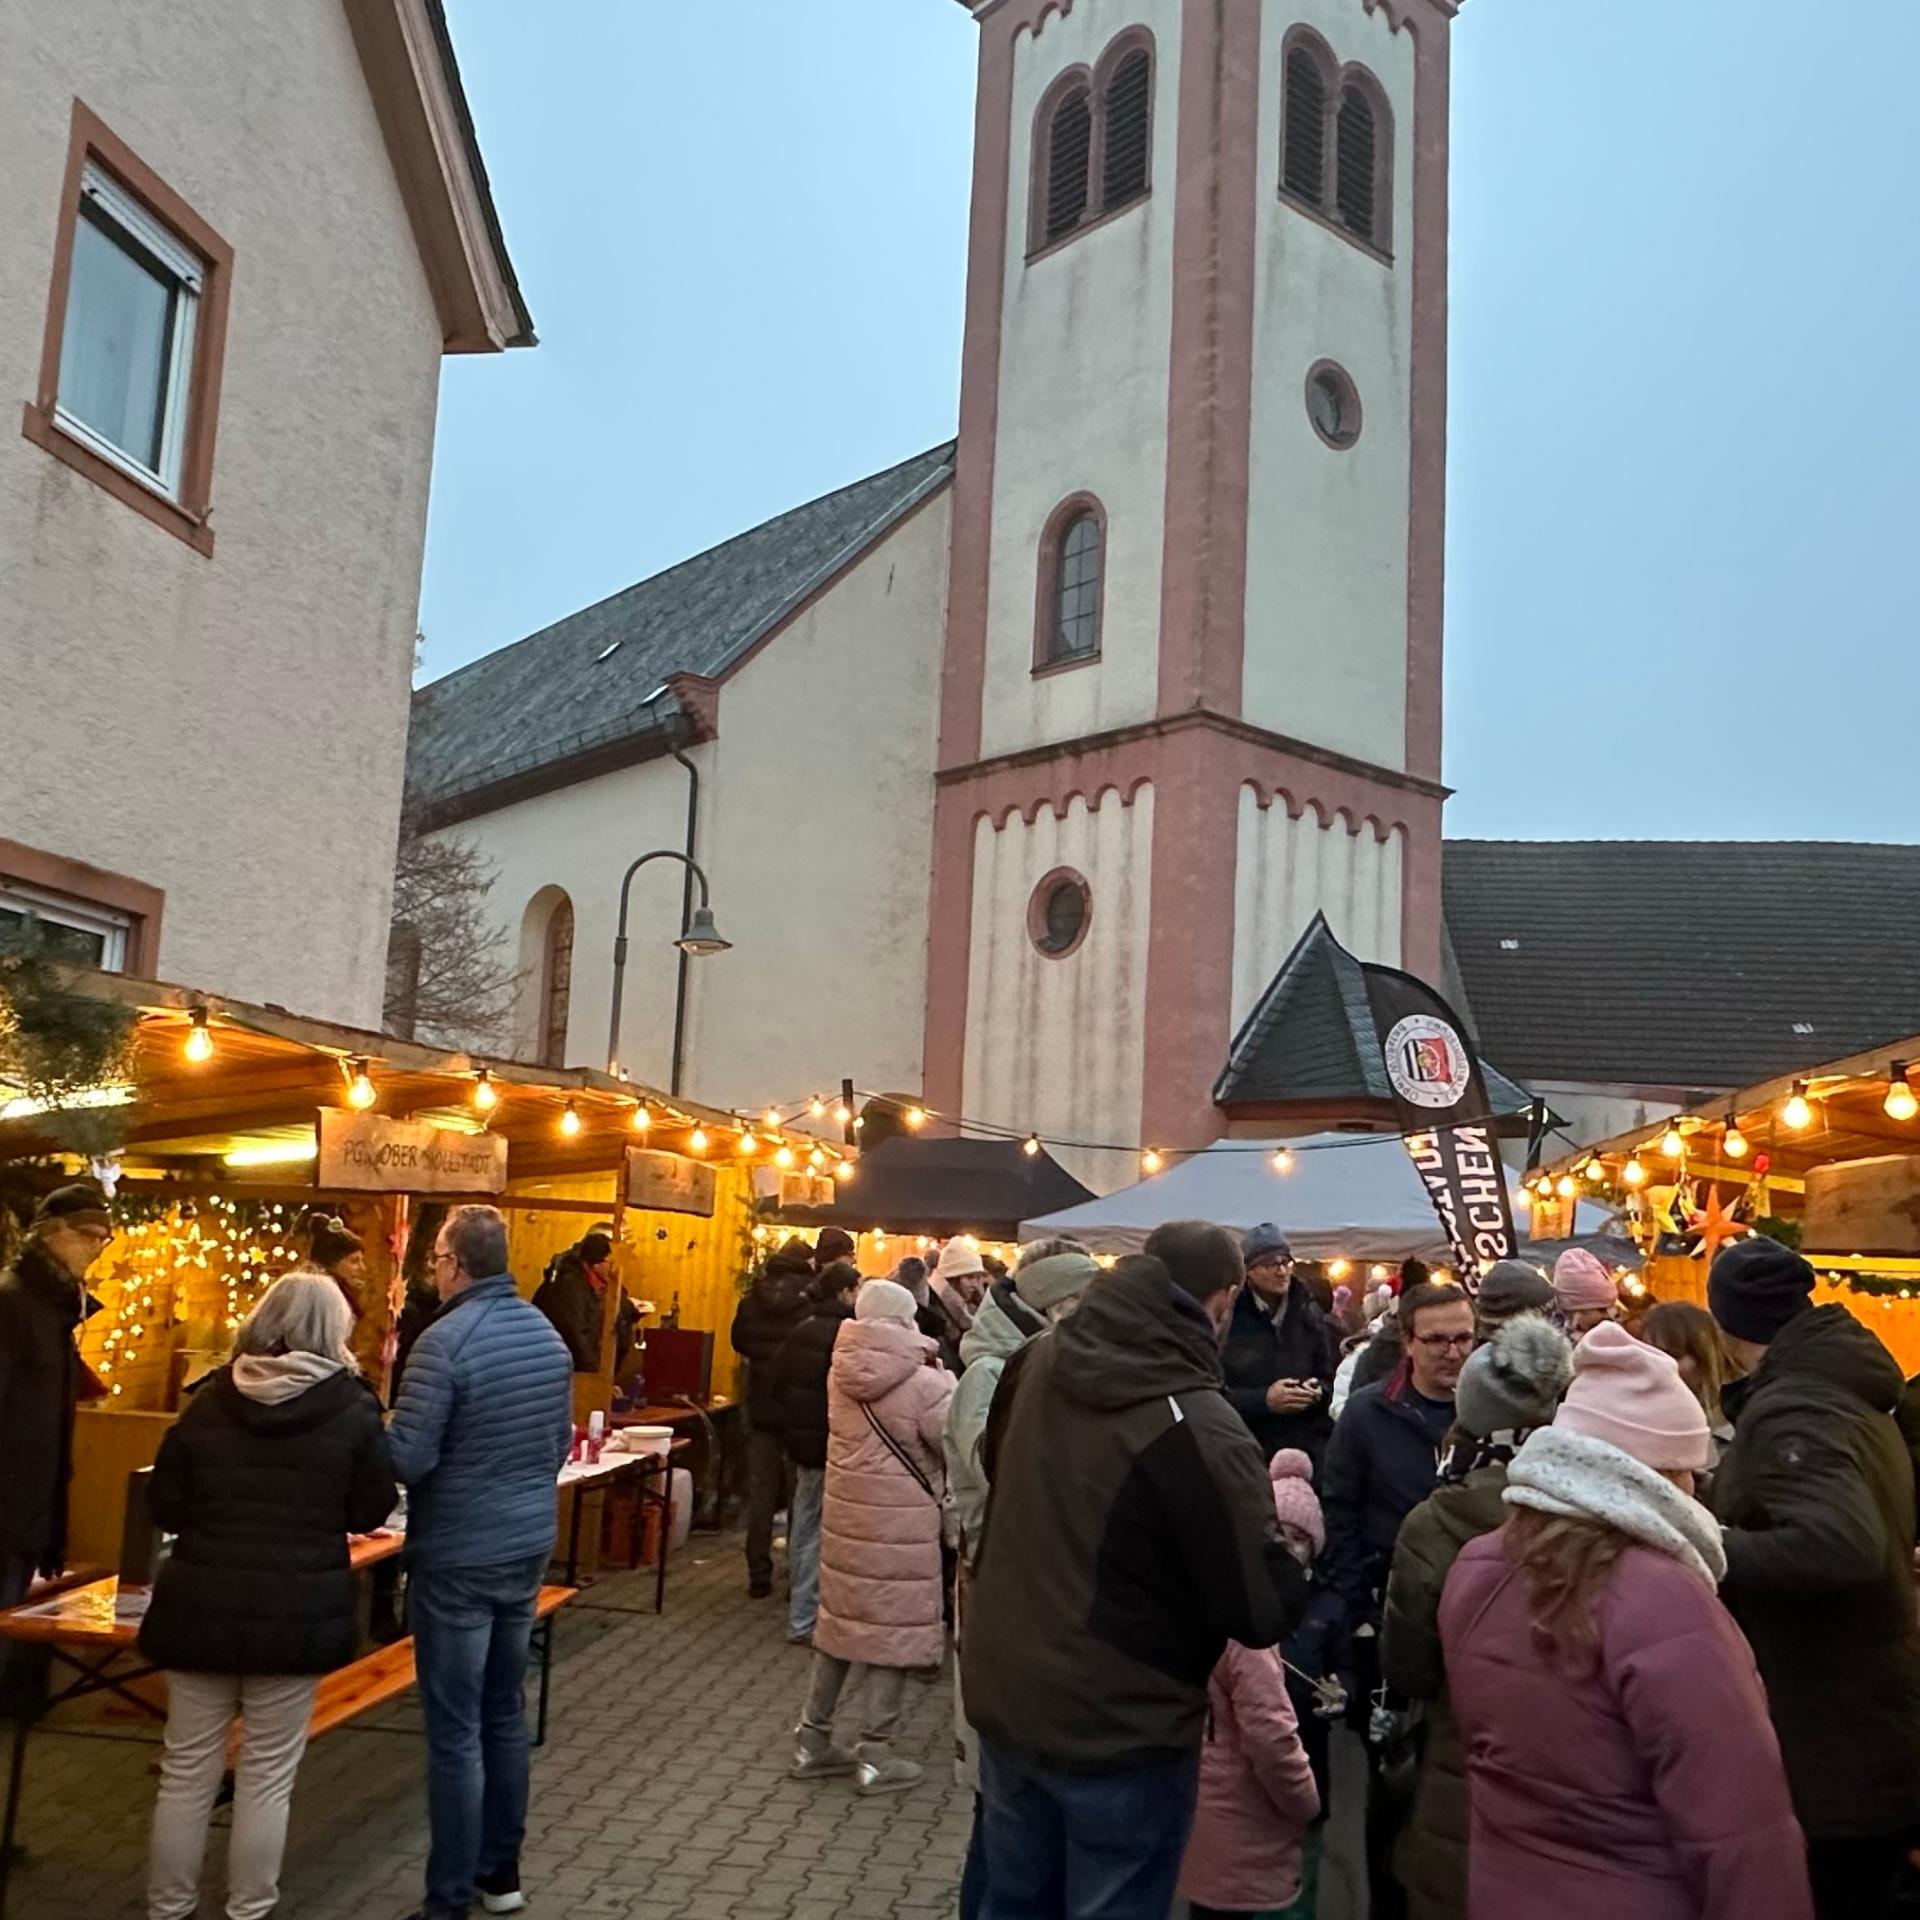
(56,1041)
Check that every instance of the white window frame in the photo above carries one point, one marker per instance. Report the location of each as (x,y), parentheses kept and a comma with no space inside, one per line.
(139,230)
(83,916)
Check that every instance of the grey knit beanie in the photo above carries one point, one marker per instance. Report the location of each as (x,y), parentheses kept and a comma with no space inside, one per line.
(1514,1382)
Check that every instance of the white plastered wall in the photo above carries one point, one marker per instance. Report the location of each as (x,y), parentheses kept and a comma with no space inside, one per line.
(1084,354)
(1059,1045)
(816,832)
(231,729)
(1326,616)
(1287,869)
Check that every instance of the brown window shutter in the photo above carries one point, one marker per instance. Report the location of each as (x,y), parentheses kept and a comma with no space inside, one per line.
(1354,149)
(1069,159)
(1304,161)
(1129,104)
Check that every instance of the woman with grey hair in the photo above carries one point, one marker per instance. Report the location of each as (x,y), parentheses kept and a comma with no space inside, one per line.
(278,1457)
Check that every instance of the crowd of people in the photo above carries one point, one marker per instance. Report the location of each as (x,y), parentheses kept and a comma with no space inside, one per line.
(1620,1605)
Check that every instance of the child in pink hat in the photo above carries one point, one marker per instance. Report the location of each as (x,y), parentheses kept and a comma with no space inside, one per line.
(1584,1295)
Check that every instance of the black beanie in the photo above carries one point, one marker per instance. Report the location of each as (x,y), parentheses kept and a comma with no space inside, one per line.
(1756,1287)
(835,1243)
(595,1247)
(82,1204)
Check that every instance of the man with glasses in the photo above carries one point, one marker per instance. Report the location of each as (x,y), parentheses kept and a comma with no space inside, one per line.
(1383,1461)
(483,1422)
(1277,1355)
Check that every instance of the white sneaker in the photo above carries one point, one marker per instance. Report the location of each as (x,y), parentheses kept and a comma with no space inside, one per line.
(879,1772)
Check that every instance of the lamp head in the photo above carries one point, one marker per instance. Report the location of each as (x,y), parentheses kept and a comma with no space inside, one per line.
(702,937)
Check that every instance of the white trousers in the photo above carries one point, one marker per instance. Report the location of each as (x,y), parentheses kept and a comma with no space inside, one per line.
(200,1709)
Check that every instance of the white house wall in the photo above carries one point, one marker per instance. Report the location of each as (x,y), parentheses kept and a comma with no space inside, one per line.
(1327,530)
(231,729)
(1288,869)
(1059,1044)
(1086,337)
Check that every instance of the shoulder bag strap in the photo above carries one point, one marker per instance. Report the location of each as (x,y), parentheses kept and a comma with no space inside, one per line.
(899,1452)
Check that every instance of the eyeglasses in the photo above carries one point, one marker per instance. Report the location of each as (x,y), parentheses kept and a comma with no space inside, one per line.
(447,1259)
(1444,1342)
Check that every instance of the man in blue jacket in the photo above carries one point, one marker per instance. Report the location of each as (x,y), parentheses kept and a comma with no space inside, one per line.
(484,1421)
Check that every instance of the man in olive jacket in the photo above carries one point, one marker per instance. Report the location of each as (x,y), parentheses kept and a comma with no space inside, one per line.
(1817,1496)
(1130,1534)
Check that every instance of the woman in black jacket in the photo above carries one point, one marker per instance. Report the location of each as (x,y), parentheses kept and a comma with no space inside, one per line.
(800,1381)
(279,1456)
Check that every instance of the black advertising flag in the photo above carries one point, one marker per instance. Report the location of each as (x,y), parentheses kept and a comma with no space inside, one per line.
(1441,1098)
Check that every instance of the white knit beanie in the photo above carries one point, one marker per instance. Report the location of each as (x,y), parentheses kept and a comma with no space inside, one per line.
(884,1300)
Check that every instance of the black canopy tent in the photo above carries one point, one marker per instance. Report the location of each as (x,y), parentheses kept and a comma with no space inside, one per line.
(945,1186)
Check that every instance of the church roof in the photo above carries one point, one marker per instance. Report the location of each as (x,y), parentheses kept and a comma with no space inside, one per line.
(1311,1038)
(1684,963)
(530,716)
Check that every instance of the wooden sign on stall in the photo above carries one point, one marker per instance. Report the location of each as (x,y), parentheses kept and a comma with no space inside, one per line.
(368,1153)
(659,1182)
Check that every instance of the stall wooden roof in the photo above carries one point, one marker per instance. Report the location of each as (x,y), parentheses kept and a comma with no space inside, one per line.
(270,1070)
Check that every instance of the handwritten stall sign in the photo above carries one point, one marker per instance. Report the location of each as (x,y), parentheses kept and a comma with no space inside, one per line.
(668,1183)
(368,1153)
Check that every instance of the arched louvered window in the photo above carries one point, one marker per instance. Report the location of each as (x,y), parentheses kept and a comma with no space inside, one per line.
(1127,132)
(1355,151)
(1069,163)
(1073,558)
(556,984)
(1304,151)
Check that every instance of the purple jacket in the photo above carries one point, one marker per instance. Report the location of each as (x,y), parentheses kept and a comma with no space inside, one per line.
(1647,1783)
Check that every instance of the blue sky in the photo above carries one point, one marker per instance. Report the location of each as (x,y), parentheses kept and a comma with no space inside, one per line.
(1685,411)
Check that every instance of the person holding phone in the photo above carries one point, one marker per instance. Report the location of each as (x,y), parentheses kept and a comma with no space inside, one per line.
(1278,1354)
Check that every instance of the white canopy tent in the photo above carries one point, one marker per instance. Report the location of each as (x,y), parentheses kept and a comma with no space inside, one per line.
(1344,1195)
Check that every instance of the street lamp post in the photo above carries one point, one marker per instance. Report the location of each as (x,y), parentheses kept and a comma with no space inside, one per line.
(699,937)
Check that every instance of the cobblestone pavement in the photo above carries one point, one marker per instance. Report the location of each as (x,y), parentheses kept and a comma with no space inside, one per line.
(661,1793)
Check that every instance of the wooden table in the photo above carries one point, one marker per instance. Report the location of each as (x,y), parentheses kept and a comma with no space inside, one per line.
(580,1476)
(708,1415)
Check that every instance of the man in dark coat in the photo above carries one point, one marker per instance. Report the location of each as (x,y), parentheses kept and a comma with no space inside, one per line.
(1816,1495)
(1278,1353)
(573,1296)
(774,1304)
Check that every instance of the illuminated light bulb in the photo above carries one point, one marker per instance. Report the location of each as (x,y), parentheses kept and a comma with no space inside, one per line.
(642,1119)
(1030,1145)
(879,1241)
(199,1046)
(1901,1103)
(697,1140)
(1796,1113)
(1523,1198)
(746,1144)
(1566,1186)
(771,1116)
(817,1158)
(1634,1174)
(486,1096)
(842,1116)
(783,1157)
(1595,1170)
(360,1093)
(1150,1161)
(1379,1271)
(1673,1143)
(570,1120)
(915,1117)
(1339,1269)
(1283,1161)
(844,1171)
(817,1107)
(1735,1143)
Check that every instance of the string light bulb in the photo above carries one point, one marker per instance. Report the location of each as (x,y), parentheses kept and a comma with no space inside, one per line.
(1595,1170)
(842,1116)
(1150,1161)
(1523,1197)
(486,1096)
(1339,1269)
(1283,1161)
(1634,1173)
(199,1044)
(1796,1113)
(697,1140)
(817,1107)
(360,1090)
(783,1156)
(570,1120)
(1566,1186)
(1673,1143)
(1030,1145)
(915,1117)
(817,1158)
(771,1117)
(642,1118)
(1901,1103)
(746,1144)
(844,1171)
(1734,1144)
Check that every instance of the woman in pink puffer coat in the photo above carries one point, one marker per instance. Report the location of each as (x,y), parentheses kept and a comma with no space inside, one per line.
(880,1580)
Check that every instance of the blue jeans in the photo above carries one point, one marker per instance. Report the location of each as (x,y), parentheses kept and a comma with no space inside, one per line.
(471,1627)
(1083,1846)
(803,1548)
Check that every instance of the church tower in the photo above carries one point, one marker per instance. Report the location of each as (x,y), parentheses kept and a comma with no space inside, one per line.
(1191,689)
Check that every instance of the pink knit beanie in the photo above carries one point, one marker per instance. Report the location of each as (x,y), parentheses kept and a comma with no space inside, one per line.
(1631,1395)
(1582,1284)
(1294,1504)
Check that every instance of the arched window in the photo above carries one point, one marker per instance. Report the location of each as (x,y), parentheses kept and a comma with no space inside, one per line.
(1304,136)
(1093,141)
(1356,149)
(1127,135)
(556,984)
(1072,561)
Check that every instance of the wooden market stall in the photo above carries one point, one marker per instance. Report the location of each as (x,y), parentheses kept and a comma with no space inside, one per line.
(233,1120)
(1826,1159)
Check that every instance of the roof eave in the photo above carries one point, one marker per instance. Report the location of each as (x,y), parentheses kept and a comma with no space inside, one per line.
(407,56)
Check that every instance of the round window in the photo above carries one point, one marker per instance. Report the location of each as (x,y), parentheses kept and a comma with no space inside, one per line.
(1058,913)
(1333,405)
